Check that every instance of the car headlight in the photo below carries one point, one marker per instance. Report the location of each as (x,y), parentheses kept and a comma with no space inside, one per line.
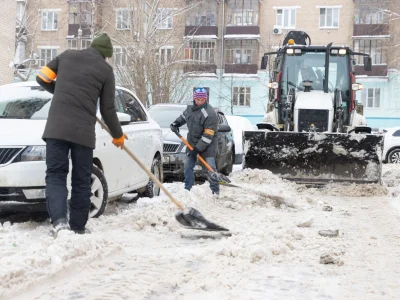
(34,153)
(183,150)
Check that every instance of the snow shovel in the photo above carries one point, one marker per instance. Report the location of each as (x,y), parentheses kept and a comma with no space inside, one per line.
(214,176)
(188,217)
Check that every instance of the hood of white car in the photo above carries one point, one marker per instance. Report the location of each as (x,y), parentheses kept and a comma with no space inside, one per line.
(169,136)
(18,132)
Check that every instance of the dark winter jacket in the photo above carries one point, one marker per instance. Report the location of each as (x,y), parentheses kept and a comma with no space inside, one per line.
(82,78)
(202,123)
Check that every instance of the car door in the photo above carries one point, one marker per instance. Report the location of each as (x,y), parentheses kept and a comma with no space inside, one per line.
(140,135)
(116,164)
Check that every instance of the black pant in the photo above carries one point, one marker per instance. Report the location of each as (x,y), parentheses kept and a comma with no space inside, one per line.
(57,162)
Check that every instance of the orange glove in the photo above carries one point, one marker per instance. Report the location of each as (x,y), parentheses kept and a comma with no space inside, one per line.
(119,142)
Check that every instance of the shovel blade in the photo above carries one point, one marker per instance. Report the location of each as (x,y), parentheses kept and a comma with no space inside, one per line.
(217,178)
(191,218)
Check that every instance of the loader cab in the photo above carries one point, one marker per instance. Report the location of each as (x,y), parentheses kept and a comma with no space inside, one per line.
(303,69)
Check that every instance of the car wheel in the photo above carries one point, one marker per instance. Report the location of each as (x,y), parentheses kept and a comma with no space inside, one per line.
(99,196)
(394,156)
(229,167)
(152,190)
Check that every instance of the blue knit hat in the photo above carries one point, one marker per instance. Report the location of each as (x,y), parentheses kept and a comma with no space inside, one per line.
(200,93)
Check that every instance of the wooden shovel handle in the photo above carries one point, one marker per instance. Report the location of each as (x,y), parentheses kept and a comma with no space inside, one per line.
(154,178)
(200,158)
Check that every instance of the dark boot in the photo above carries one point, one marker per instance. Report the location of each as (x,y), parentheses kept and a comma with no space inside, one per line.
(60,224)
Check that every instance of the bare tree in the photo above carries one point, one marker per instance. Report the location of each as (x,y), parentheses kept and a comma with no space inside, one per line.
(26,23)
(149,47)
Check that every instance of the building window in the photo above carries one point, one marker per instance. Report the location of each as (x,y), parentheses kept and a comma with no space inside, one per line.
(78,44)
(164,18)
(329,17)
(375,48)
(286,18)
(80,13)
(49,20)
(241,96)
(371,97)
(243,12)
(165,55)
(123,19)
(204,13)
(241,51)
(368,14)
(201,52)
(120,57)
(46,55)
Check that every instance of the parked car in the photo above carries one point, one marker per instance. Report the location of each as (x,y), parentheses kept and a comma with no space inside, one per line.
(23,113)
(391,146)
(174,149)
(238,125)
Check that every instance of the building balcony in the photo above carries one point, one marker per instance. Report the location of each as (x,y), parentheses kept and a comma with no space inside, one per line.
(241,68)
(242,30)
(200,68)
(370,29)
(201,30)
(377,70)
(73,31)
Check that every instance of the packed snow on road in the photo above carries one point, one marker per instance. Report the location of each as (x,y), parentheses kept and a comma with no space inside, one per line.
(337,242)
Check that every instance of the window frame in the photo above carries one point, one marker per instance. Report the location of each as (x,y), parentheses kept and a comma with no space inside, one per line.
(119,51)
(246,51)
(207,55)
(43,62)
(372,51)
(167,22)
(82,42)
(236,92)
(326,8)
(282,15)
(54,26)
(365,97)
(163,58)
(118,18)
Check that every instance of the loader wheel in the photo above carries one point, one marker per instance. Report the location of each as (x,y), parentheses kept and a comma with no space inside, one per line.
(394,156)
(152,190)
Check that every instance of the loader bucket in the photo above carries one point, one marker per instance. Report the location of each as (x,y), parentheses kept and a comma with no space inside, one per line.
(316,157)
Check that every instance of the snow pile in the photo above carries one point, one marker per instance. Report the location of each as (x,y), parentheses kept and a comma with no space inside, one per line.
(29,254)
(391,179)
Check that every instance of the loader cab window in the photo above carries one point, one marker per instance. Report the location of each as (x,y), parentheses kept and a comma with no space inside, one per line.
(311,66)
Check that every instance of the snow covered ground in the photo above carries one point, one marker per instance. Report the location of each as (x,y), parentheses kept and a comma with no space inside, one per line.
(341,242)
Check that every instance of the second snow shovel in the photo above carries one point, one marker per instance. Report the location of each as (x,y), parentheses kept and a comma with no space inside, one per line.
(214,176)
(189,217)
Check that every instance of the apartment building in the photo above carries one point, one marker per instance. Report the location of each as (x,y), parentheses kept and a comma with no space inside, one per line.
(7,40)
(213,43)
(375,32)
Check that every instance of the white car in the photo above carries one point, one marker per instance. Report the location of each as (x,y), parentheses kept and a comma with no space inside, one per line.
(238,125)
(23,113)
(391,147)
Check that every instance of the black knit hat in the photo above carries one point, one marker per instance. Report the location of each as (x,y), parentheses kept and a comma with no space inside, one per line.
(103,44)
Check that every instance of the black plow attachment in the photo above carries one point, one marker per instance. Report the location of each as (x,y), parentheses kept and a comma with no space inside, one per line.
(316,157)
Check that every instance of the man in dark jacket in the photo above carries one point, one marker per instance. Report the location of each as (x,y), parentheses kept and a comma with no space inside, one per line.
(83,77)
(202,123)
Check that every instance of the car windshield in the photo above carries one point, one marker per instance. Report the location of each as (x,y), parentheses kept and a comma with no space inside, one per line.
(166,115)
(24,102)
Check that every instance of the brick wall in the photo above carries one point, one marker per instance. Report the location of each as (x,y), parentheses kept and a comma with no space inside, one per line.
(7,39)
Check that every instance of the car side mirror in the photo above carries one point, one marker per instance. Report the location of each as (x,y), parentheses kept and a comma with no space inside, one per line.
(124,119)
(224,128)
(367,63)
